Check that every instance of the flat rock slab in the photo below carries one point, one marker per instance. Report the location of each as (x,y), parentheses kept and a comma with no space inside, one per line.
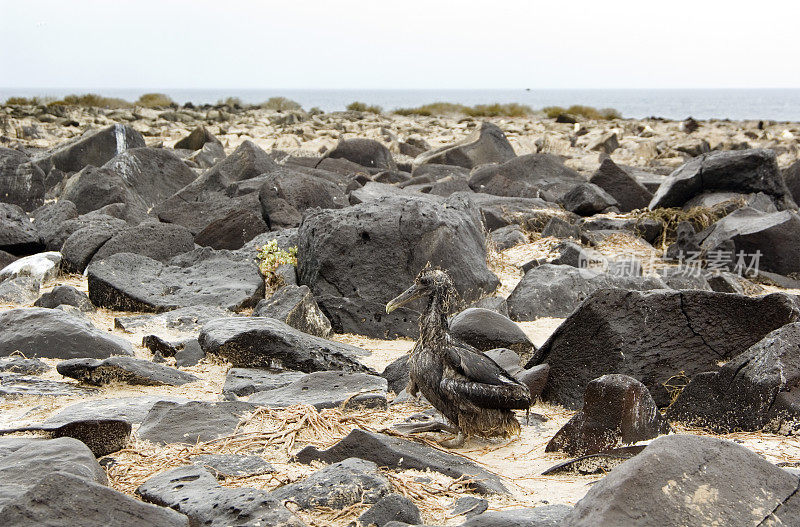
(126,370)
(184,319)
(194,491)
(245,381)
(337,486)
(694,481)
(22,365)
(65,499)
(132,282)
(35,461)
(395,452)
(130,409)
(192,422)
(547,516)
(20,291)
(232,465)
(50,333)
(16,385)
(269,343)
(327,389)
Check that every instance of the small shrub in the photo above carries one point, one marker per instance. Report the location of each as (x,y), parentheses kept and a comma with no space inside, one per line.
(553,111)
(499,110)
(92,100)
(586,112)
(155,100)
(233,102)
(271,257)
(27,101)
(436,108)
(610,113)
(357,106)
(280,104)
(480,110)
(316,110)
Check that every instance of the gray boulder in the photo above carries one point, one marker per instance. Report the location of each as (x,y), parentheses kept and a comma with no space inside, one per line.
(94,147)
(624,188)
(18,236)
(50,333)
(615,331)
(126,370)
(256,342)
(196,421)
(687,480)
(327,389)
(617,410)
(557,290)
(204,277)
(753,391)
(487,144)
(337,486)
(742,171)
(195,492)
(356,259)
(65,499)
(295,305)
(21,182)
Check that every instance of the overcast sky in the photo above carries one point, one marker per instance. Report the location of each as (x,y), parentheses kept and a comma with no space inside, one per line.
(400,44)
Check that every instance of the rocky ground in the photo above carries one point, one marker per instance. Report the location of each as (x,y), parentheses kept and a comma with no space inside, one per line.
(164,378)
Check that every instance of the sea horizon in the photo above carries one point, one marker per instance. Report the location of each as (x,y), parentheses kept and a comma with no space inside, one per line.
(777,104)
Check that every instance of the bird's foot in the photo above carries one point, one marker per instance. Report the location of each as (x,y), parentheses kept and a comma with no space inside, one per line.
(456,442)
(421,428)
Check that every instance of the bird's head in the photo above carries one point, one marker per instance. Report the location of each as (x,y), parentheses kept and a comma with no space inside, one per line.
(430,282)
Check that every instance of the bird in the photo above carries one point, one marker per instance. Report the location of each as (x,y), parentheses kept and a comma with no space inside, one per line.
(475,394)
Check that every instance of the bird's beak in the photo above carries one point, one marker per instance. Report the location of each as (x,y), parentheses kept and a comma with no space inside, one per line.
(412,293)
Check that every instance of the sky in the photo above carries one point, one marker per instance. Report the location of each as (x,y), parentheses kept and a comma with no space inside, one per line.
(408,44)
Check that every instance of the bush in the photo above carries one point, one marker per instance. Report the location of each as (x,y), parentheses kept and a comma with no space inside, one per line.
(155,100)
(436,108)
(586,112)
(480,110)
(233,102)
(499,110)
(362,107)
(280,104)
(316,110)
(92,100)
(26,101)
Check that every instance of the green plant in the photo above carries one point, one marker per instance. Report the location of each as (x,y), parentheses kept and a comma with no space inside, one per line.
(280,104)
(271,257)
(357,106)
(155,100)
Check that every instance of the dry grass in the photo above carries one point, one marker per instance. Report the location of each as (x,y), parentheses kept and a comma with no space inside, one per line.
(700,218)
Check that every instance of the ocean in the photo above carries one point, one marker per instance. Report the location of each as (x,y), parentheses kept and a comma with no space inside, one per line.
(734,104)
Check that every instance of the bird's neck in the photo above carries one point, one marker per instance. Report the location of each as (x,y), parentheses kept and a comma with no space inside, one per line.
(433,322)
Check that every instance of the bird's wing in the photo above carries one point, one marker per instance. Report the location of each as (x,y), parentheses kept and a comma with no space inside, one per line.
(476,366)
(483,382)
